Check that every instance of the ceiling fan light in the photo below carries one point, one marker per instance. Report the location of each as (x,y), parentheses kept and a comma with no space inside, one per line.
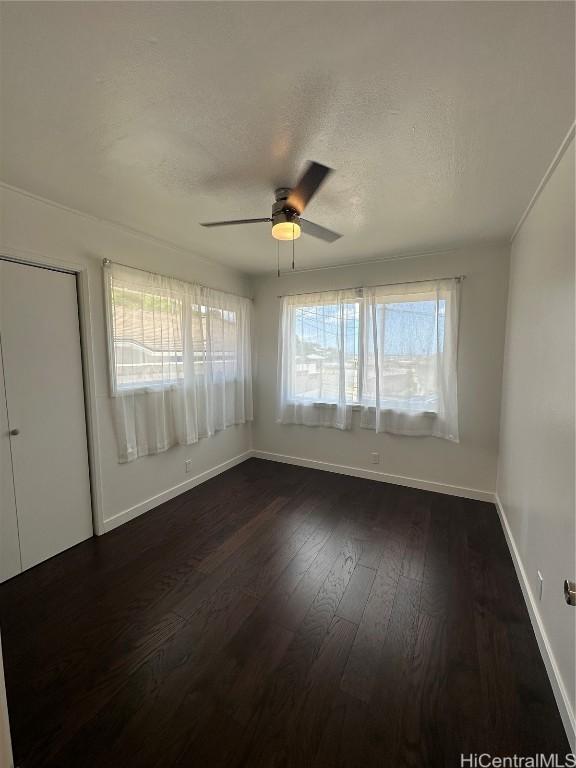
(286,230)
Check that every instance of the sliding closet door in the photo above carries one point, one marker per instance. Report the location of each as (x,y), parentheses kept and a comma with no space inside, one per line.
(45,399)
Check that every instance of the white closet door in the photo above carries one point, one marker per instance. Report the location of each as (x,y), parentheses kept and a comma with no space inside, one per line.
(9,545)
(45,398)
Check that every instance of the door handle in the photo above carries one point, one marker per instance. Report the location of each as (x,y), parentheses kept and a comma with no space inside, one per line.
(14,432)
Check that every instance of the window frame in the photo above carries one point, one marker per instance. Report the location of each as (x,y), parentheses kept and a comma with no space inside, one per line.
(358,404)
(117,389)
(202,306)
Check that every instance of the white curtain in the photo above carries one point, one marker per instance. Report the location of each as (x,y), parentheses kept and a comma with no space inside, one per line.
(410,339)
(180,360)
(389,351)
(317,343)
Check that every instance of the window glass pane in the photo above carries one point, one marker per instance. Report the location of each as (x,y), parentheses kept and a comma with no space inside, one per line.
(325,334)
(410,334)
(411,327)
(215,338)
(148,338)
(147,330)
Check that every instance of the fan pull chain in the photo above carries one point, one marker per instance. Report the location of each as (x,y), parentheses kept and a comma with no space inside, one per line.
(278,255)
(292,245)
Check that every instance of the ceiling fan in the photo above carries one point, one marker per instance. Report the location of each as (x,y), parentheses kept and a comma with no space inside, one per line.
(287,223)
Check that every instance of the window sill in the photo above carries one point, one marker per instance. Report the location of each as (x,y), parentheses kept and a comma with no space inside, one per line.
(358,407)
(145,388)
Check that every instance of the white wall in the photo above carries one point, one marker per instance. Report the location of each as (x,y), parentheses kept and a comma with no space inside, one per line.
(31,228)
(537,459)
(5,740)
(471,464)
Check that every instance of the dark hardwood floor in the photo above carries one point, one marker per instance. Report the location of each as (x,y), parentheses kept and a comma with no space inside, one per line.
(279,616)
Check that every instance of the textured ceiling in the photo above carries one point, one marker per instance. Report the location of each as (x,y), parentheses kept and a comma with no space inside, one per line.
(439,118)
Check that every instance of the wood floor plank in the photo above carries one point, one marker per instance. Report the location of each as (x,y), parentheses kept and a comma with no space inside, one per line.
(279,616)
(344,741)
(441,573)
(359,676)
(324,606)
(415,555)
(155,538)
(240,537)
(372,548)
(391,689)
(129,728)
(296,698)
(492,639)
(269,725)
(279,591)
(257,580)
(242,564)
(302,597)
(107,678)
(319,689)
(465,707)
(424,725)
(149,597)
(215,745)
(356,595)
(249,682)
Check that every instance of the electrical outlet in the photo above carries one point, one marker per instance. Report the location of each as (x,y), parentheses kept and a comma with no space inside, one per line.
(541,580)
(188,466)
(375,458)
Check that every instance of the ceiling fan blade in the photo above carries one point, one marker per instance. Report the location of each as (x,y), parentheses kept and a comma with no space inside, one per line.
(317,231)
(236,221)
(308,185)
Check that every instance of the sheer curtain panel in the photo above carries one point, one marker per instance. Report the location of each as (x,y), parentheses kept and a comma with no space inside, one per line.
(388,351)
(410,340)
(318,350)
(180,360)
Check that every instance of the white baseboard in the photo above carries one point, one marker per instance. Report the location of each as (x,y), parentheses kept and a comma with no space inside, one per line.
(170,493)
(144,506)
(383,477)
(560,694)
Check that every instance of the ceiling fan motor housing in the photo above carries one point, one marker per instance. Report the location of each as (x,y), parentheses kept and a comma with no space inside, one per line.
(281,211)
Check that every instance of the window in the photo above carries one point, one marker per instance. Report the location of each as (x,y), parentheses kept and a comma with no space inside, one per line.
(180,360)
(390,351)
(318,329)
(152,319)
(409,336)
(215,340)
(148,345)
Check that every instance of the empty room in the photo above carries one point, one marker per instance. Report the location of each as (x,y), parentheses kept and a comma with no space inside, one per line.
(287,384)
